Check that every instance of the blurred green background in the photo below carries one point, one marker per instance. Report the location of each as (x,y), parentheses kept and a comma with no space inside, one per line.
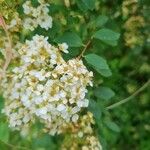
(126,127)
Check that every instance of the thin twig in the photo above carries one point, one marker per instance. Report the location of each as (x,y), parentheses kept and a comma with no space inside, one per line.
(130,97)
(8,49)
(85,48)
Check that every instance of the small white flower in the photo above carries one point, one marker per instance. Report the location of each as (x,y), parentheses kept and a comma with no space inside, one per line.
(24,98)
(75,109)
(53,56)
(83,103)
(27,103)
(27,7)
(62,94)
(61,107)
(37,93)
(65,101)
(63,47)
(53,61)
(38,100)
(45,22)
(40,87)
(80,134)
(26,118)
(41,111)
(15,95)
(30,24)
(75,118)
(48,74)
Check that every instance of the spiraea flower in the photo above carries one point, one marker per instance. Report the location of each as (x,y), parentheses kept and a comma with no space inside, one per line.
(134,23)
(45,87)
(81,135)
(37,16)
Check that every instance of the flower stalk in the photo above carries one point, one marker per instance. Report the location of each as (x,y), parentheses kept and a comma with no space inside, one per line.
(8,49)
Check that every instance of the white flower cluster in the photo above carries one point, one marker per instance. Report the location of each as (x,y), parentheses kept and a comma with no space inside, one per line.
(82,135)
(93,144)
(45,87)
(37,16)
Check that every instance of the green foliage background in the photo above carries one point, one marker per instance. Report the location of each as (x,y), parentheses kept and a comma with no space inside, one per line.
(102,23)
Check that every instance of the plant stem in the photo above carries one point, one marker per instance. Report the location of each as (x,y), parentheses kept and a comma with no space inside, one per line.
(13,146)
(85,48)
(130,97)
(9,52)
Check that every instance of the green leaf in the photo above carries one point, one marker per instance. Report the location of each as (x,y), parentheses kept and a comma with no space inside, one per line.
(89,3)
(95,109)
(4,132)
(107,36)
(71,38)
(101,20)
(113,126)
(99,64)
(81,5)
(104,93)
(35,3)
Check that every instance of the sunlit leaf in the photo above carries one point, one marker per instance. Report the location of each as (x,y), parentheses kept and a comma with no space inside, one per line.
(107,36)
(99,64)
